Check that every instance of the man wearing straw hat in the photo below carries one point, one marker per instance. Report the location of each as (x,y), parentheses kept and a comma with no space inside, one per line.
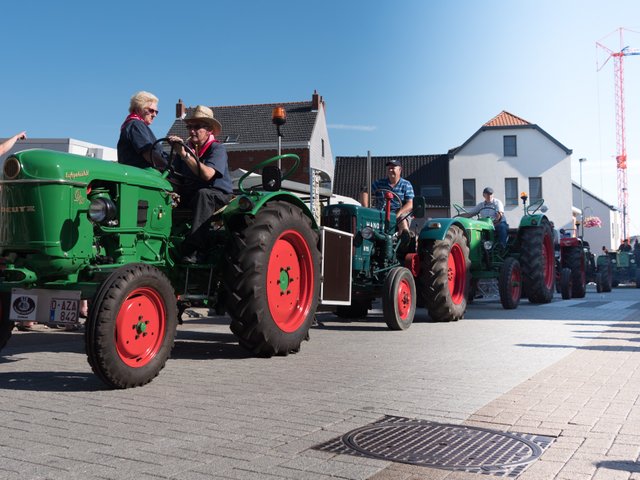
(207,186)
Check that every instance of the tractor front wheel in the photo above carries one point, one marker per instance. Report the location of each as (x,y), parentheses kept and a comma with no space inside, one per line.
(566,283)
(510,283)
(444,274)
(538,262)
(399,299)
(272,279)
(132,325)
(575,261)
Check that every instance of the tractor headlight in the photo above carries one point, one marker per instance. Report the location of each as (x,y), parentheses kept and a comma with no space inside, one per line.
(633,260)
(102,210)
(488,245)
(367,233)
(245,204)
(12,168)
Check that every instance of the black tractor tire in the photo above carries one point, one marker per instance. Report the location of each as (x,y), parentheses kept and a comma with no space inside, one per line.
(575,261)
(6,326)
(445,276)
(131,326)
(607,276)
(272,279)
(510,283)
(537,262)
(358,310)
(566,283)
(599,282)
(399,299)
(637,278)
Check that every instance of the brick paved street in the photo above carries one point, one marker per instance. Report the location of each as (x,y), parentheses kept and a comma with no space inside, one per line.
(569,369)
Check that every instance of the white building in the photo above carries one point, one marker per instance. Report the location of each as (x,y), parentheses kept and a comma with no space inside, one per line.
(512,155)
(68,145)
(609,234)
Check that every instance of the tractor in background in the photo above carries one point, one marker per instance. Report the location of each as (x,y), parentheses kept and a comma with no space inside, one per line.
(624,267)
(457,252)
(577,266)
(384,263)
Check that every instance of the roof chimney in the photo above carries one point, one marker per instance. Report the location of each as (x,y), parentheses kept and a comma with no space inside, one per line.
(180,110)
(316,101)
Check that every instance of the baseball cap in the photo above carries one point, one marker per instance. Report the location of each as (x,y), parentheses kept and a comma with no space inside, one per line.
(488,190)
(394,162)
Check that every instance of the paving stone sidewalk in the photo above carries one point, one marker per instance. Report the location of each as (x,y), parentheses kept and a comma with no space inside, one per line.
(590,401)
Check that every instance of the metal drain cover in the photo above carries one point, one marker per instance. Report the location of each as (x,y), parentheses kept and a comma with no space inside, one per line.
(455,447)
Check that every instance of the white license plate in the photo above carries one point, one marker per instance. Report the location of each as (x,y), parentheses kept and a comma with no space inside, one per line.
(63,310)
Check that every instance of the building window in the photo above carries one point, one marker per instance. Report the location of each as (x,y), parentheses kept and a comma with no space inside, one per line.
(510,146)
(469,192)
(535,189)
(322,142)
(511,191)
(431,192)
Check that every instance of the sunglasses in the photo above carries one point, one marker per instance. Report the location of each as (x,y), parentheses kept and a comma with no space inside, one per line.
(195,127)
(152,110)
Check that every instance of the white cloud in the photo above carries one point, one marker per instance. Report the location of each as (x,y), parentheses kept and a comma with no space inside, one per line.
(361,128)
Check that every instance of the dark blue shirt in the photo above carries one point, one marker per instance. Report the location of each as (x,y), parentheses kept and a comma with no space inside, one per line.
(215,157)
(137,138)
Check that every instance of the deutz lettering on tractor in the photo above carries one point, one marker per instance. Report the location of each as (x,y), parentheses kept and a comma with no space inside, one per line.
(76,228)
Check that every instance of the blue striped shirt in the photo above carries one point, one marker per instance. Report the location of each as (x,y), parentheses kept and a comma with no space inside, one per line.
(403,189)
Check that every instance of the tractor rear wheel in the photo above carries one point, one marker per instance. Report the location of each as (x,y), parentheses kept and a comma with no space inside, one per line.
(575,261)
(538,262)
(399,299)
(566,283)
(599,282)
(444,272)
(131,327)
(272,279)
(510,283)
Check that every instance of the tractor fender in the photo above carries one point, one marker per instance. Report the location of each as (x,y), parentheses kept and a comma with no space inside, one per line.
(437,228)
(240,206)
(532,220)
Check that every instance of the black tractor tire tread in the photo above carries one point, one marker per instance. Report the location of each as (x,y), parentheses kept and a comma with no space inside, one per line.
(532,264)
(566,283)
(434,258)
(575,261)
(505,287)
(100,326)
(390,295)
(245,278)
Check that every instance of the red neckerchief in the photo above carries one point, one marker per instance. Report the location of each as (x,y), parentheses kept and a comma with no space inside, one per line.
(201,151)
(130,117)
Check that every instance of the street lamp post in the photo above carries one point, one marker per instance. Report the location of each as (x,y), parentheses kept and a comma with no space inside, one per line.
(581,197)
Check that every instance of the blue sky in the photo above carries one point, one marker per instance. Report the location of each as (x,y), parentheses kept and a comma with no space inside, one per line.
(405,77)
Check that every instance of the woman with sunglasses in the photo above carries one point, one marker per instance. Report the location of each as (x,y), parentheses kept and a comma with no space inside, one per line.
(136,138)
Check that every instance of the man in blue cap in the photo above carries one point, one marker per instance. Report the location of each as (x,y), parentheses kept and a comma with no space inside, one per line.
(402,189)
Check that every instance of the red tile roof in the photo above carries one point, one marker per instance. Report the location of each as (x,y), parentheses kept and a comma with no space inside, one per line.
(506,119)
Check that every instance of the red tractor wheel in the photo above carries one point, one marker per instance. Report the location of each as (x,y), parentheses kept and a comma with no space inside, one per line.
(272,279)
(132,325)
(399,299)
(445,276)
(510,283)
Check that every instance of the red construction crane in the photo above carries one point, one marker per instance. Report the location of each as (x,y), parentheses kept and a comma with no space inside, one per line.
(621,139)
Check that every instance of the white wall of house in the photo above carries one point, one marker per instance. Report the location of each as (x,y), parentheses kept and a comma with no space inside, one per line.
(609,234)
(482,159)
(68,145)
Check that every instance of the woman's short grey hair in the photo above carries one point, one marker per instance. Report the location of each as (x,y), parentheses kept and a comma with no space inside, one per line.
(140,100)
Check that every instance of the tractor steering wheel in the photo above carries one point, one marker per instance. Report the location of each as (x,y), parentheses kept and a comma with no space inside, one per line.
(172,155)
(459,209)
(405,215)
(269,161)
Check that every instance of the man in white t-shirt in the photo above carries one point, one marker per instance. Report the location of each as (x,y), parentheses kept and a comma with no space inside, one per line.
(494,209)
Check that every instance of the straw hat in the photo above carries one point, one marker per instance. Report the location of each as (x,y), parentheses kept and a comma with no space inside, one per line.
(204,115)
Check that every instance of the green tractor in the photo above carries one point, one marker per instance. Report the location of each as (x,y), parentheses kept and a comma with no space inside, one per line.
(384,263)
(456,253)
(75,228)
(576,266)
(624,268)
